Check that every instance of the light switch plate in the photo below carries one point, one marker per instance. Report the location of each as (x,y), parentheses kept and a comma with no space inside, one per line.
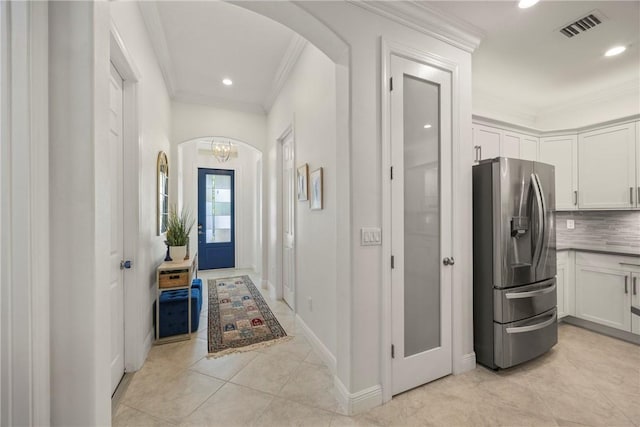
(571,224)
(370,236)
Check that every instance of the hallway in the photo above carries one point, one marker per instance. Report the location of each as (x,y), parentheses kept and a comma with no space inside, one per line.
(284,384)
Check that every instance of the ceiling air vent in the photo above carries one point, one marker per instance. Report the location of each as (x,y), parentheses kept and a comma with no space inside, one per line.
(583,24)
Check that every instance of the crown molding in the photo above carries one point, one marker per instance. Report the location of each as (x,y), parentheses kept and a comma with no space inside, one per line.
(288,62)
(157,36)
(213,101)
(429,20)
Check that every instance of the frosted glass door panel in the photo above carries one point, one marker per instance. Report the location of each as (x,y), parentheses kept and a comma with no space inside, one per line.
(218,209)
(421,216)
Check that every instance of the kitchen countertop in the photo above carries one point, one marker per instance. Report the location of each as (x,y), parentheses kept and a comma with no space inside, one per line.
(614,250)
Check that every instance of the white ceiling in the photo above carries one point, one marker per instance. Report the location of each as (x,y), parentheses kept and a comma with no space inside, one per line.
(206,41)
(524,61)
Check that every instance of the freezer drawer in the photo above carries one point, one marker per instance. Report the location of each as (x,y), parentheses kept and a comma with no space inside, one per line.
(524,340)
(521,302)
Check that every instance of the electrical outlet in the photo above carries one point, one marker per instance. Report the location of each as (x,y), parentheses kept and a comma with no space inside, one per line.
(571,224)
(310,303)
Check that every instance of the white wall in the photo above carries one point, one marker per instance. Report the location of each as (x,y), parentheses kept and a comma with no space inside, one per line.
(155,130)
(247,208)
(190,121)
(362,360)
(79,227)
(308,102)
(79,179)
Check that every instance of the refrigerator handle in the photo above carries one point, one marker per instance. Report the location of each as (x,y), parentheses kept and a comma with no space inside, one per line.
(541,218)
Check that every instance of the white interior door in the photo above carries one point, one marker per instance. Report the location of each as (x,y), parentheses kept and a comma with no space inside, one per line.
(421,223)
(288,221)
(117,235)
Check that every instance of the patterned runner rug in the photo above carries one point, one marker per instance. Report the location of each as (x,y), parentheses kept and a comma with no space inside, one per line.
(239,318)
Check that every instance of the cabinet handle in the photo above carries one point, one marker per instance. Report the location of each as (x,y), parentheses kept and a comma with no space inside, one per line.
(480,151)
(638,196)
(635,288)
(475,151)
(631,195)
(626,284)
(575,197)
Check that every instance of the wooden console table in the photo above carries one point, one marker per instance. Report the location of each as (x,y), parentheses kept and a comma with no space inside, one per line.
(171,276)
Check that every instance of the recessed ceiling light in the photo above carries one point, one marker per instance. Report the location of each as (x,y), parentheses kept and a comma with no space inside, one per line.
(427,126)
(615,51)
(227,82)
(524,4)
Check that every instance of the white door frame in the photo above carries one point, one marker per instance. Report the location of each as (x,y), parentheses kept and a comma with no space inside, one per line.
(137,342)
(279,288)
(461,322)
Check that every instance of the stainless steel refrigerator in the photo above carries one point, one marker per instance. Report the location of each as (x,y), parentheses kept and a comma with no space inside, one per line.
(514,261)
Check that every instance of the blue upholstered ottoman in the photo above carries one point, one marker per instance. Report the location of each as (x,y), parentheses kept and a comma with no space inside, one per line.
(197,284)
(173,311)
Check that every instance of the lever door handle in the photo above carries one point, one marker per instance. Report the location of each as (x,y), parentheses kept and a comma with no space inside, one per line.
(448,261)
(125,264)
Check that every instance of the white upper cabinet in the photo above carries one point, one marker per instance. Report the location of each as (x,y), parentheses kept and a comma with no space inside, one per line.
(511,145)
(560,151)
(486,142)
(607,168)
(529,148)
(490,142)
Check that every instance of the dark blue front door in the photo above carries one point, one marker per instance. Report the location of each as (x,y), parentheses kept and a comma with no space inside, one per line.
(216,227)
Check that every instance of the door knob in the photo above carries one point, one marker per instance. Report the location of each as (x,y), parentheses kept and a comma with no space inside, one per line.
(125,264)
(448,261)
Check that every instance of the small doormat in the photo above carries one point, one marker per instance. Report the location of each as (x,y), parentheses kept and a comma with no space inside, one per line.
(239,318)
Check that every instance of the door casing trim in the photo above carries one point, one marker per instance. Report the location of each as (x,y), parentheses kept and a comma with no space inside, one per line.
(136,344)
(460,359)
(289,131)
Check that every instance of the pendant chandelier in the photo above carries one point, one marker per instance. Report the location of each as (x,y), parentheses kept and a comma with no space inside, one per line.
(221,150)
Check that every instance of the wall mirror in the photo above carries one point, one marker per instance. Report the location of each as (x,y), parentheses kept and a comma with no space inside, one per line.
(163,193)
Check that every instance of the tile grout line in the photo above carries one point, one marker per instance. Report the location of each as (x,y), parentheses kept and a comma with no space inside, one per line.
(150,415)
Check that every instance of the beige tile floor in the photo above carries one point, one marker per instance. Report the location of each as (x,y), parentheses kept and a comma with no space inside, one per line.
(586,379)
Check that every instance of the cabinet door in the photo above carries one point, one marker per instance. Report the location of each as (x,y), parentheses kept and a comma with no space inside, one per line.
(561,152)
(635,300)
(511,145)
(486,142)
(607,168)
(638,165)
(561,283)
(529,148)
(603,296)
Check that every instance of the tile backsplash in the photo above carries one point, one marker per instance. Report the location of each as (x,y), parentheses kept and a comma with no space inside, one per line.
(599,228)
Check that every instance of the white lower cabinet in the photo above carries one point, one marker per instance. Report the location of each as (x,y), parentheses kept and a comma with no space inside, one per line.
(565,283)
(600,296)
(605,289)
(635,300)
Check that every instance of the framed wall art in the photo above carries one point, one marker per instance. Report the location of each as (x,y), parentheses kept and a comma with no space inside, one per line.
(302,183)
(316,189)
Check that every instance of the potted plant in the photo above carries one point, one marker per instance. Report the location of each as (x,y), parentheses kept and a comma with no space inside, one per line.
(178,229)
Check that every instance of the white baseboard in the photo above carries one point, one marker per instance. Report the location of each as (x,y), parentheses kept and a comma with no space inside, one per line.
(361,401)
(272,291)
(325,354)
(148,343)
(465,363)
